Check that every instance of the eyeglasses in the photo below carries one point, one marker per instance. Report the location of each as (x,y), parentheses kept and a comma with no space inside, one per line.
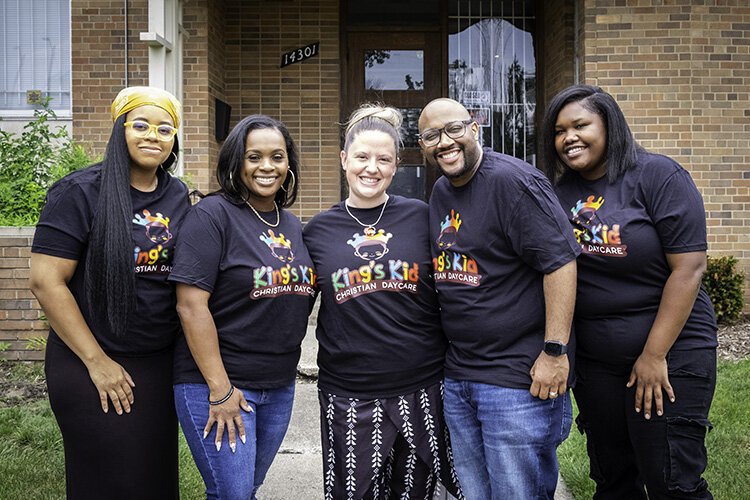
(163,132)
(454,130)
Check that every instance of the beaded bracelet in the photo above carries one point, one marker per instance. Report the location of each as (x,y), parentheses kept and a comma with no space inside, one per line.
(224,399)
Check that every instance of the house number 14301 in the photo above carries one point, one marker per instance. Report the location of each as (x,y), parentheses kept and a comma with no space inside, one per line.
(300,54)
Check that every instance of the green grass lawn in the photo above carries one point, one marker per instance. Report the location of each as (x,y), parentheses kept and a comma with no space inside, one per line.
(31,456)
(728,444)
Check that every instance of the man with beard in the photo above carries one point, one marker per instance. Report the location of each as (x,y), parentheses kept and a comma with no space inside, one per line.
(504,258)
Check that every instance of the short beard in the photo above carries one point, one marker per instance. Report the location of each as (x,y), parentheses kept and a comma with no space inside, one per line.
(469,161)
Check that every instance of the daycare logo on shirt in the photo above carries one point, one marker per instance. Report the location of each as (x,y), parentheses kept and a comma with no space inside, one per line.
(451,266)
(155,259)
(391,276)
(295,280)
(595,235)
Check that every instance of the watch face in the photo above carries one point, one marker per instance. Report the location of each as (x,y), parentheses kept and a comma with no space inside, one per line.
(555,348)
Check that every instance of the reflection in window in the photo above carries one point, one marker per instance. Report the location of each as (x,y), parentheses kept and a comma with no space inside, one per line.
(394,69)
(410,126)
(492,70)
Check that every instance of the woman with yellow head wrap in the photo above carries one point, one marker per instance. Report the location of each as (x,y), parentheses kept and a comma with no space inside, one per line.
(102,251)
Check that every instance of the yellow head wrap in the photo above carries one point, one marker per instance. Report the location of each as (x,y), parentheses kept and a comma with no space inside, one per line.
(133,97)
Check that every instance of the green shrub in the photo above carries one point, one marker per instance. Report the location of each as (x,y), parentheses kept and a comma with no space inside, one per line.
(724,285)
(30,162)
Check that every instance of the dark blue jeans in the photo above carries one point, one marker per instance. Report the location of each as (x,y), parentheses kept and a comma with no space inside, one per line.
(666,454)
(235,476)
(505,440)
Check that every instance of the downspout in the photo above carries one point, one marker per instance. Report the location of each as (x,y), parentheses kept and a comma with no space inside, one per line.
(126,43)
(576,42)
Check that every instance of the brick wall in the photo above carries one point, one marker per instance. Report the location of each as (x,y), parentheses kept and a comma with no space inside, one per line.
(199,146)
(557,50)
(305,96)
(98,63)
(681,73)
(19,310)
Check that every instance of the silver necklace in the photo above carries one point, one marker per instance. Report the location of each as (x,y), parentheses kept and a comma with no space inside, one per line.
(264,221)
(369,228)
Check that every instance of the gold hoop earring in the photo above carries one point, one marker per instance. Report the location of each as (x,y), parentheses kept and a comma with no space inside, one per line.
(291,184)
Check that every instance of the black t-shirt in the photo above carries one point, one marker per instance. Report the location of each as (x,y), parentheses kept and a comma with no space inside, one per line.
(63,231)
(493,240)
(379,325)
(624,230)
(261,282)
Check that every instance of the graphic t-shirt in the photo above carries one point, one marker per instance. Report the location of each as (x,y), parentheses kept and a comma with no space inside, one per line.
(261,282)
(379,326)
(624,230)
(63,231)
(493,240)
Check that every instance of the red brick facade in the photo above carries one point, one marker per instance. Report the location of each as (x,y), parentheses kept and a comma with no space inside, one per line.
(680,71)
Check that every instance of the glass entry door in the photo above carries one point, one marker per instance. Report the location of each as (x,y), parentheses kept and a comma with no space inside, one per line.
(403,70)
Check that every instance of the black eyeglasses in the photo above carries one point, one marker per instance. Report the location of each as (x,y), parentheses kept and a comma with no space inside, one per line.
(454,130)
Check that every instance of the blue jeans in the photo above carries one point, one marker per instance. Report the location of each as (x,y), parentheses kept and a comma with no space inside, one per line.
(505,440)
(235,476)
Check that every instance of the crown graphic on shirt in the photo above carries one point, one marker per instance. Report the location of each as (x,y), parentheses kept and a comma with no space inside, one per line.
(588,205)
(150,220)
(363,239)
(274,241)
(453,221)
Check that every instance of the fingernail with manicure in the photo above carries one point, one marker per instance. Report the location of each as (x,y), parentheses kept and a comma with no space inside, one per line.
(205,434)
(244,439)
(218,446)
(233,446)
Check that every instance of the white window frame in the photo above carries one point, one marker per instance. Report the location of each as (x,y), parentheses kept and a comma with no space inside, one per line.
(164,38)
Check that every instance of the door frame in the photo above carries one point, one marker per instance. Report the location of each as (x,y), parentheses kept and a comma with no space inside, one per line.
(407,38)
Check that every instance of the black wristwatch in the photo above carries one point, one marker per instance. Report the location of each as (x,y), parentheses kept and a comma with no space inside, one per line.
(555,348)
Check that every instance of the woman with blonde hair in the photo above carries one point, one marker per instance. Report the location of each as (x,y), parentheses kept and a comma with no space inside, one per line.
(381,345)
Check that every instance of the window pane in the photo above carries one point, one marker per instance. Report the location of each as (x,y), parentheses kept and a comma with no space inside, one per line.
(408,182)
(410,126)
(34,52)
(492,70)
(394,69)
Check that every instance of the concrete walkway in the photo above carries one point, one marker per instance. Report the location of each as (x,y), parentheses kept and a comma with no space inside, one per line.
(297,471)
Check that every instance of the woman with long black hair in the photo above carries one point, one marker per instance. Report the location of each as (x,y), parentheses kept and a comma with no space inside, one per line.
(102,251)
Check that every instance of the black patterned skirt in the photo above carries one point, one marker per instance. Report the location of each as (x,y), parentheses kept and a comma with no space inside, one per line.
(395,447)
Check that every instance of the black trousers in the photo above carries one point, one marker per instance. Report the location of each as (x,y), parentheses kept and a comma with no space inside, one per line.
(666,454)
(128,456)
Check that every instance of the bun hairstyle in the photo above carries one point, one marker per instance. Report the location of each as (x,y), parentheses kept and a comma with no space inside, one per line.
(371,116)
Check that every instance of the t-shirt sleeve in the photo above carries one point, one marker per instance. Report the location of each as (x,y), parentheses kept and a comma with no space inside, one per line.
(539,231)
(198,251)
(64,223)
(676,209)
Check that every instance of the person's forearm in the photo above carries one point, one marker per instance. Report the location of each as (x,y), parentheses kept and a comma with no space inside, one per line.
(65,318)
(203,341)
(675,306)
(559,302)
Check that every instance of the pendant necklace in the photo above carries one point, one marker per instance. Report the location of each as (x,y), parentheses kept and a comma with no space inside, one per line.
(264,221)
(369,228)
